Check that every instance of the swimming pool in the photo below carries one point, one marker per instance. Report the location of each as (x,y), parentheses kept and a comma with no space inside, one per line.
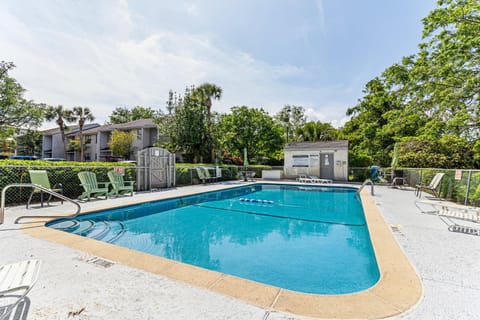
(303,238)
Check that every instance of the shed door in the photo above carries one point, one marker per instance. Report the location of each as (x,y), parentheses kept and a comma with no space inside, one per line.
(326,166)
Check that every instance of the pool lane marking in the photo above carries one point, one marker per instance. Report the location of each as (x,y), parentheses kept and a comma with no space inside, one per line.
(282,217)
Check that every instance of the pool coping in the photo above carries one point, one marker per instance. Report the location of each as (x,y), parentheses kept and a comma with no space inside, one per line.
(398,289)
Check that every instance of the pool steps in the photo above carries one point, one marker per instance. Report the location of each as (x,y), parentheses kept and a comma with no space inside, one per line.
(96,230)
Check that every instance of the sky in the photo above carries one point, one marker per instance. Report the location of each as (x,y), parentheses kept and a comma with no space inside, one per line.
(104,54)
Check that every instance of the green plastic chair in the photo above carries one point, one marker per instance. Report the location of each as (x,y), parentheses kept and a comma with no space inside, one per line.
(88,180)
(40,177)
(120,187)
(201,174)
(208,176)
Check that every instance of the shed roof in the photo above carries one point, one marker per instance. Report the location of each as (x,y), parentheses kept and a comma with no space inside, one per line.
(317,145)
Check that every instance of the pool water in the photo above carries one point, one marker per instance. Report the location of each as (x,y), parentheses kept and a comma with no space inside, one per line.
(307,239)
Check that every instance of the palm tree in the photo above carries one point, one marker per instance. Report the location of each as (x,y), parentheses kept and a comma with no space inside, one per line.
(207,92)
(291,118)
(317,131)
(60,115)
(81,115)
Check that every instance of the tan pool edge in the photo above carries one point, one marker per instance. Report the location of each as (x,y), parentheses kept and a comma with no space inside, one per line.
(398,289)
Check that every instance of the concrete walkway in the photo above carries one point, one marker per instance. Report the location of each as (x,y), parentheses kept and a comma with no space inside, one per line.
(447,262)
(73,286)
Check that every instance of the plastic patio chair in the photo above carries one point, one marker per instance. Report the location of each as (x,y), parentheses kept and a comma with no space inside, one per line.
(88,180)
(201,174)
(16,280)
(207,174)
(120,187)
(40,177)
(204,174)
(432,186)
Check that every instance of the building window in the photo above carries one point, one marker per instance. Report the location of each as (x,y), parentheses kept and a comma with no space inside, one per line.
(139,134)
(300,161)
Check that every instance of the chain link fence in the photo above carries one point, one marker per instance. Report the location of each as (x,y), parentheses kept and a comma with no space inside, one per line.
(460,186)
(188,175)
(65,178)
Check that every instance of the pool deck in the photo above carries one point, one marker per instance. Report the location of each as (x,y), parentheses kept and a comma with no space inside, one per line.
(74,285)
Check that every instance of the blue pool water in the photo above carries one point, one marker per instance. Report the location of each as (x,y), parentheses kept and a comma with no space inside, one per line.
(308,239)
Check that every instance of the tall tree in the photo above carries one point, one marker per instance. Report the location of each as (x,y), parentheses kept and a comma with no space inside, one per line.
(61,117)
(365,130)
(124,114)
(291,118)
(317,131)
(119,115)
(253,129)
(82,115)
(428,99)
(189,129)
(206,93)
(15,111)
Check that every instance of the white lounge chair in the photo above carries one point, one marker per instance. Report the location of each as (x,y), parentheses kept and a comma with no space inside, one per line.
(319,180)
(16,280)
(432,186)
(303,178)
(458,218)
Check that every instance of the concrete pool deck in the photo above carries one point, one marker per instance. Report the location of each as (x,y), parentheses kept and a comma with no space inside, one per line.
(74,285)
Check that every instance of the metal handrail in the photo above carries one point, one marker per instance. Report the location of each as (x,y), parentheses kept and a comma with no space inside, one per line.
(37,186)
(364,184)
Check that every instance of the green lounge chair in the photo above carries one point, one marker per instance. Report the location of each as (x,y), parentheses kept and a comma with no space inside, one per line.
(120,187)
(201,174)
(40,177)
(88,180)
(207,174)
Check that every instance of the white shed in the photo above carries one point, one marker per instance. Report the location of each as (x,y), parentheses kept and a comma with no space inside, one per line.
(325,159)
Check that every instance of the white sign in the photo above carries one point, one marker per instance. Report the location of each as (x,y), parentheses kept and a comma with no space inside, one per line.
(300,161)
(458,174)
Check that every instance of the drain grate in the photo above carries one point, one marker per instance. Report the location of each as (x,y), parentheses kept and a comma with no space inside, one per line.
(395,228)
(99,262)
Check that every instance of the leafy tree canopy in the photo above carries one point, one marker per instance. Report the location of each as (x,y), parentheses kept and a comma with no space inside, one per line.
(253,129)
(317,131)
(429,99)
(124,114)
(291,118)
(121,143)
(15,111)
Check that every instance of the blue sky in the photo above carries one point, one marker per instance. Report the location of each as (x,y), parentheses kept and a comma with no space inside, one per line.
(105,54)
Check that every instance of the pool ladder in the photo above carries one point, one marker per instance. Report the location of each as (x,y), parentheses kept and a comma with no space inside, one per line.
(36,186)
(367,181)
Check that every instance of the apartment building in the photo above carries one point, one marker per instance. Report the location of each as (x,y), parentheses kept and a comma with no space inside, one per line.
(96,139)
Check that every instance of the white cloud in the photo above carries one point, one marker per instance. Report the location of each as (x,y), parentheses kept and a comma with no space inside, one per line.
(58,62)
